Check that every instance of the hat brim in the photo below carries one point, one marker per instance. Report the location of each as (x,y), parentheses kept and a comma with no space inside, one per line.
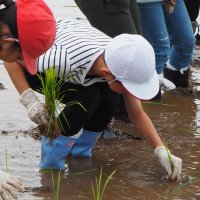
(30,63)
(144,91)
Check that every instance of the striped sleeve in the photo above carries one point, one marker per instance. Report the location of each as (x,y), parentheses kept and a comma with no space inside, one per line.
(75,49)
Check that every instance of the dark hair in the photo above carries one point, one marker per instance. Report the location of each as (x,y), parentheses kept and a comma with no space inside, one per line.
(8,16)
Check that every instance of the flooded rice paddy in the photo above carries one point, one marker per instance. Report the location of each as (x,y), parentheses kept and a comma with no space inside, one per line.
(139,176)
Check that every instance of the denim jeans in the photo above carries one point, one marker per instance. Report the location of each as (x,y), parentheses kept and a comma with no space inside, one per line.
(170,35)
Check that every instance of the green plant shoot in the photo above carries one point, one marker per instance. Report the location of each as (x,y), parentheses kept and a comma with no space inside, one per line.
(169,156)
(99,188)
(56,185)
(51,88)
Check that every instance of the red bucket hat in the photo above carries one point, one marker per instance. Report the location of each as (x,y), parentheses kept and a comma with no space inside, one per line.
(36,30)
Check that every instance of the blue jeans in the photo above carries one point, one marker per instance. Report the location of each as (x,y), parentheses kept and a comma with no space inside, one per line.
(170,35)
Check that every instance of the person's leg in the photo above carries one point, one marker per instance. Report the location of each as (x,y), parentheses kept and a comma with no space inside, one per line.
(155,31)
(112,17)
(182,44)
(193,11)
(102,116)
(136,15)
(193,7)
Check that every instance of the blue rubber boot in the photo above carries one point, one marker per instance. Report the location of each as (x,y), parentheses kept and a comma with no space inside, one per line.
(53,153)
(84,144)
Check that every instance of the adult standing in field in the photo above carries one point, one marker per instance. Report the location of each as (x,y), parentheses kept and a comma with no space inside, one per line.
(166,25)
(112,17)
(101,68)
(20,39)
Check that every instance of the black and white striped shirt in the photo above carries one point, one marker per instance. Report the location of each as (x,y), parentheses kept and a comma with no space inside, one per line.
(74,51)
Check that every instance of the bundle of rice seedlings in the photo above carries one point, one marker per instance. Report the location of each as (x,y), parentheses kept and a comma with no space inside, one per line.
(51,88)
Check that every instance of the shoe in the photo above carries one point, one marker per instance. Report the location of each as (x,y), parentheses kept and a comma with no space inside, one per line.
(2,86)
(165,84)
(85,143)
(108,133)
(194,26)
(53,153)
(158,96)
(121,111)
(197,36)
(176,77)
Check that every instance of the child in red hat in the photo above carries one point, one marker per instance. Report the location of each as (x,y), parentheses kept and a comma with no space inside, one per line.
(27,30)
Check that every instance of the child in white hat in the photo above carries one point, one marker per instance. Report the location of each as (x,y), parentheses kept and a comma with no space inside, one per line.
(101,68)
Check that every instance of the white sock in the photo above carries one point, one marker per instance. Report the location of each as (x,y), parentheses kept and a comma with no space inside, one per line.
(168,66)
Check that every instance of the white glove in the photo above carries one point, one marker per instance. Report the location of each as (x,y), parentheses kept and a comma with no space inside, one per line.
(173,171)
(9,186)
(36,109)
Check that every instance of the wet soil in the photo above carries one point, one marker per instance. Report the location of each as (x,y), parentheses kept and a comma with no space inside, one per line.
(138,173)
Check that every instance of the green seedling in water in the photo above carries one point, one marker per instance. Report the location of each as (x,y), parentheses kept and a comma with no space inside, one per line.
(79,173)
(51,88)
(157,103)
(56,185)
(169,156)
(7,170)
(6,152)
(99,188)
(184,184)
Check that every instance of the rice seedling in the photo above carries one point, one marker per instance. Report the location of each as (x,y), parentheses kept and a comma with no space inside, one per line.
(51,88)
(186,130)
(191,180)
(56,185)
(98,188)
(157,103)
(169,156)
(6,152)
(79,173)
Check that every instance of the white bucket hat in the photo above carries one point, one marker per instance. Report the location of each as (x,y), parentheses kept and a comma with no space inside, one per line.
(131,59)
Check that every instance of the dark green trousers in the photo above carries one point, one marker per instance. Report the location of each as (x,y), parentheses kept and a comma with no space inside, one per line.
(112,17)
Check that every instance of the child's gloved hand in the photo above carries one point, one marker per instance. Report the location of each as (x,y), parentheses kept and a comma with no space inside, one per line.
(9,186)
(37,111)
(174,167)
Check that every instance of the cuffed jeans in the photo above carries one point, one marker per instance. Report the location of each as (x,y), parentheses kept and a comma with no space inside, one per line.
(170,35)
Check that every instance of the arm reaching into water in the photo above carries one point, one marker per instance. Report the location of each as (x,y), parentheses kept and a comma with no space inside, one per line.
(145,127)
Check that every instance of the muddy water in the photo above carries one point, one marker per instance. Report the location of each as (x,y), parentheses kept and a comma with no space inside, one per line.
(138,176)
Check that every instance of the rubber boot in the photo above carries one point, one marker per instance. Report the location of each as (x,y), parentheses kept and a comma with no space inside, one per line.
(176,77)
(84,144)
(108,133)
(158,96)
(53,153)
